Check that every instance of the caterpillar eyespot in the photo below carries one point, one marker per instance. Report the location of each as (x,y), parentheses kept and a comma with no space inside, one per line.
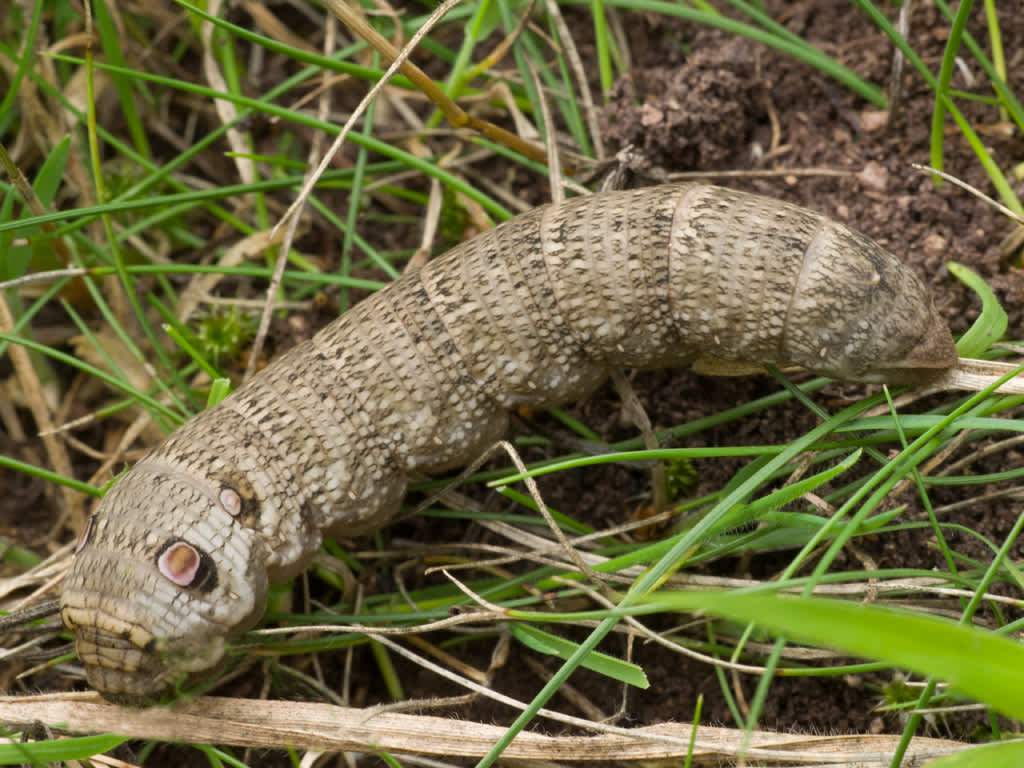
(181,563)
(419,378)
(231,501)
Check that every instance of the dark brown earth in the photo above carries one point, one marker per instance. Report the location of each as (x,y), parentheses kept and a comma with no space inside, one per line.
(699,100)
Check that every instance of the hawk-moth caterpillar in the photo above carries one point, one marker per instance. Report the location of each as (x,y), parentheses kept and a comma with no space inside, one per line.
(420,377)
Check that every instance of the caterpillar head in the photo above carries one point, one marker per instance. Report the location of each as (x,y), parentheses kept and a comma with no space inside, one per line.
(163,577)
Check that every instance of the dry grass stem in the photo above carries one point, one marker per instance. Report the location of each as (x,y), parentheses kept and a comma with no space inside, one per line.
(307,726)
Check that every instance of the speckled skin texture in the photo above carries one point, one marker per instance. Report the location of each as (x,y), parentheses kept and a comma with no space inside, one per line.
(419,378)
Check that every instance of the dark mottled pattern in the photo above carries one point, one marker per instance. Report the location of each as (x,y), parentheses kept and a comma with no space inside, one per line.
(420,377)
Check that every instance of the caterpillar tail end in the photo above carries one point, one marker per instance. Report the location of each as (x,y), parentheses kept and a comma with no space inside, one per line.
(931,358)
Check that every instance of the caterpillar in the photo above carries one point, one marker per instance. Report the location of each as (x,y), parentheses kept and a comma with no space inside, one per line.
(419,378)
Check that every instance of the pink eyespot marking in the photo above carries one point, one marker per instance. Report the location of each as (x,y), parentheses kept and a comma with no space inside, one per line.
(180,563)
(84,537)
(231,501)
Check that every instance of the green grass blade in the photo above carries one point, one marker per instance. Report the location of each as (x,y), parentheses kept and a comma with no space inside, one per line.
(602,663)
(991,323)
(220,389)
(123,81)
(58,750)
(945,75)
(1004,755)
(980,663)
(25,63)
(602,36)
(790,493)
(113,381)
(48,476)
